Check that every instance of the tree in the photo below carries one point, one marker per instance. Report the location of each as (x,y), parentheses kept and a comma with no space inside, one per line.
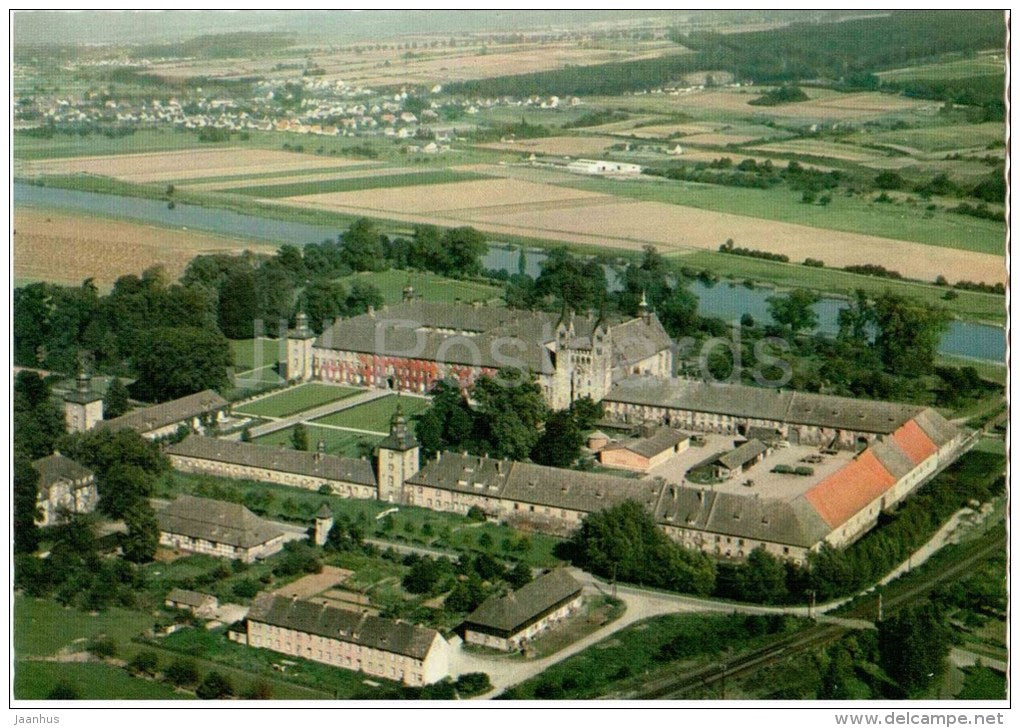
(174,362)
(623,542)
(464,249)
(182,672)
(115,403)
(795,311)
(238,303)
(678,312)
(519,575)
(428,575)
(511,408)
(299,437)
(214,687)
(908,334)
(764,578)
(324,301)
(26,496)
(145,662)
(362,247)
(345,535)
(571,283)
(586,412)
(363,296)
(258,690)
(38,420)
(466,595)
(470,684)
(142,537)
(560,443)
(64,690)
(913,645)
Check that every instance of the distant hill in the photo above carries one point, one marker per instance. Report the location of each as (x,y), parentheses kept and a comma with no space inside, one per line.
(85,27)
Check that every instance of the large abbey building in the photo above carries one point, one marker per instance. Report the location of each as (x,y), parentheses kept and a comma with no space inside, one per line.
(413,345)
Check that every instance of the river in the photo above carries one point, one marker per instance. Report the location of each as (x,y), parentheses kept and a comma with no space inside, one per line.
(723,300)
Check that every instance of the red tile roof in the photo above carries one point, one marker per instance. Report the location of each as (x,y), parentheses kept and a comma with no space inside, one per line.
(850,489)
(913,441)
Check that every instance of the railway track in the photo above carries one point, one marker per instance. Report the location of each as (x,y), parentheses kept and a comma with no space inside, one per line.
(677,686)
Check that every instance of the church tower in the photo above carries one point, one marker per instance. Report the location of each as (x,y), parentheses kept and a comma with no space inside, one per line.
(83,407)
(398,458)
(299,350)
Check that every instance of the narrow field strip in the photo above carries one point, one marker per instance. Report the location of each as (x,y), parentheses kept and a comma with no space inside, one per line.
(354,184)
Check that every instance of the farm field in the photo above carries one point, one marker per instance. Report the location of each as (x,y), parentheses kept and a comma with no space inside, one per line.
(430,286)
(143,140)
(336,442)
(673,227)
(296,399)
(836,150)
(189,163)
(375,416)
(353,184)
(62,247)
(941,138)
(849,214)
(823,106)
(573,146)
(984,64)
(447,197)
(293,175)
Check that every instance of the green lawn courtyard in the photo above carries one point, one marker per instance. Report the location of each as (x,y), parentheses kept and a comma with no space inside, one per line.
(375,416)
(296,399)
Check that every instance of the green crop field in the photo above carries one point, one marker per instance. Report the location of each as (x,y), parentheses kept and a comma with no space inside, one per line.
(353,184)
(981,65)
(296,399)
(940,138)
(146,140)
(429,286)
(375,416)
(94,681)
(244,350)
(274,175)
(337,442)
(848,214)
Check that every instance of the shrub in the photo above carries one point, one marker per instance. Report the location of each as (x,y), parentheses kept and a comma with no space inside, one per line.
(145,662)
(64,690)
(182,672)
(214,687)
(473,683)
(102,646)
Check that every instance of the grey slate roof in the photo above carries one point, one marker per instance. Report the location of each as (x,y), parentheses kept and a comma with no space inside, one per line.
(742,454)
(285,460)
(357,628)
(54,468)
(215,521)
(793,522)
(191,598)
(892,458)
(663,439)
(936,427)
(481,335)
(738,400)
(534,484)
(151,418)
(519,609)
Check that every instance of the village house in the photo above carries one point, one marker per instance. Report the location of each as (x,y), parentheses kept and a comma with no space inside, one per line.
(376,646)
(199,604)
(511,621)
(205,526)
(65,488)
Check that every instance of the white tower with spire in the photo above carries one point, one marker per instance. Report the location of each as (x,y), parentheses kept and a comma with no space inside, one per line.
(398,458)
(299,350)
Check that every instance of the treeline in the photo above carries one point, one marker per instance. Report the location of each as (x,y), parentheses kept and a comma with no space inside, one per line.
(845,53)
(751,173)
(780,95)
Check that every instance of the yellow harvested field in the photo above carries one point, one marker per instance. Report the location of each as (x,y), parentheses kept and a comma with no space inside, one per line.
(717,140)
(67,248)
(447,197)
(664,131)
(290,179)
(831,150)
(573,146)
(186,164)
(674,227)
